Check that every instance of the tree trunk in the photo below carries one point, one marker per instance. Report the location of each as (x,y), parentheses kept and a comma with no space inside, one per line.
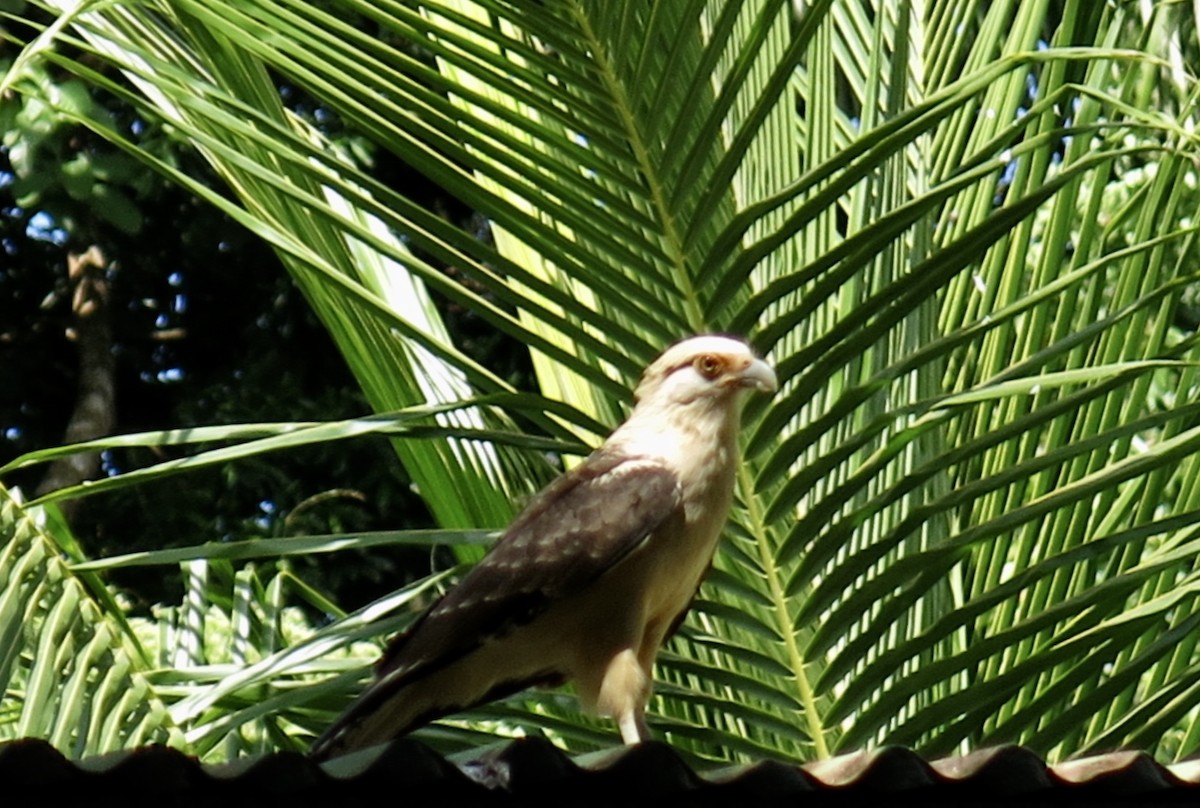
(94,414)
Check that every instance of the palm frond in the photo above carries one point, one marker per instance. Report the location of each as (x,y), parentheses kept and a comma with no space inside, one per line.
(71,674)
(960,230)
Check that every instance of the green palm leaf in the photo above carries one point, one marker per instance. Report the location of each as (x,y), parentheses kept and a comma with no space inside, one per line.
(71,674)
(960,230)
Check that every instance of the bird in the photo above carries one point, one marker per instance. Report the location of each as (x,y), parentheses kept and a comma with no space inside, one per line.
(593,575)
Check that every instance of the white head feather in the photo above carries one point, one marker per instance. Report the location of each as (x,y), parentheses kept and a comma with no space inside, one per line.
(687,401)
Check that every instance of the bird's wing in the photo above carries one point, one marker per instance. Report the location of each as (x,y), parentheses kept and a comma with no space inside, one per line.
(569,534)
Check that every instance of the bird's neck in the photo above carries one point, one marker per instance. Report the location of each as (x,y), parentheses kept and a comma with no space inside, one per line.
(702,431)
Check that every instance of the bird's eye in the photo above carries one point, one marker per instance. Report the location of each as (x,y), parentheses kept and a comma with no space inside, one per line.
(710,366)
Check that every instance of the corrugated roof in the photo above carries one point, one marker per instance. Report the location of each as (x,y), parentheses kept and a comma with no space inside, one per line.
(532,770)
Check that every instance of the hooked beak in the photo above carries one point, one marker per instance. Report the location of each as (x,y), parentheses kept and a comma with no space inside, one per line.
(758,375)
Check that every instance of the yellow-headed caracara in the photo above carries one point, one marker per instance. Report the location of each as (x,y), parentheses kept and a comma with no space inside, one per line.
(593,575)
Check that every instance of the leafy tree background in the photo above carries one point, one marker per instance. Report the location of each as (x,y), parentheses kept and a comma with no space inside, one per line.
(207,329)
(964,231)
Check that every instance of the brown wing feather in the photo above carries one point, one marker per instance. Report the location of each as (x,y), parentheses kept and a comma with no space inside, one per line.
(572,531)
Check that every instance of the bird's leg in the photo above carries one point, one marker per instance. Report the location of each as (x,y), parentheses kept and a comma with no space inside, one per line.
(624,691)
(633,727)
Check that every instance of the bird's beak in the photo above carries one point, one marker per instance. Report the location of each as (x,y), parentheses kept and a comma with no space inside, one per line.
(759,375)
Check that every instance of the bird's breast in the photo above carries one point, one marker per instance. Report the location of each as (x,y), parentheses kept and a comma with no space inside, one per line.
(681,552)
(700,448)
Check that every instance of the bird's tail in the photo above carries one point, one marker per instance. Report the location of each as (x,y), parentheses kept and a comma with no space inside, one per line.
(377,716)
(394,706)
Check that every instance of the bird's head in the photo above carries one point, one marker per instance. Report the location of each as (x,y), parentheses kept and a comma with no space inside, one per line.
(708,369)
